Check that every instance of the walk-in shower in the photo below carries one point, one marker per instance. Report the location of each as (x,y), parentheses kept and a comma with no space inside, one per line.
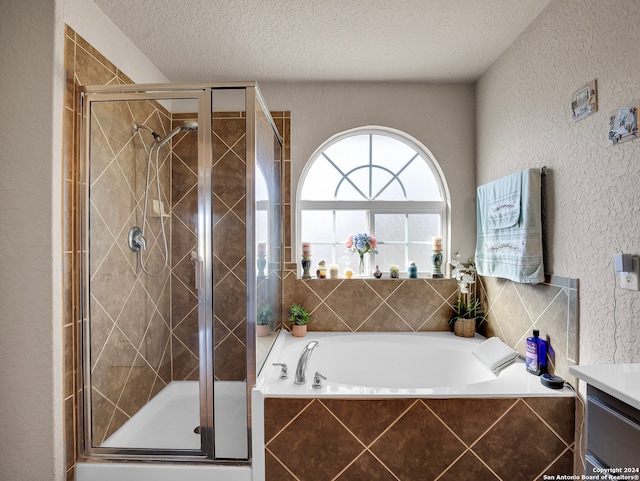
(181,231)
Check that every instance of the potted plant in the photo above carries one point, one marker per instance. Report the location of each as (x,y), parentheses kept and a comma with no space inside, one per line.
(299,318)
(468,311)
(263,320)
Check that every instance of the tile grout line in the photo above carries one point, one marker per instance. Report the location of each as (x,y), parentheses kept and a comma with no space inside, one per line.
(281,464)
(311,401)
(545,422)
(365,446)
(471,445)
(545,470)
(467,447)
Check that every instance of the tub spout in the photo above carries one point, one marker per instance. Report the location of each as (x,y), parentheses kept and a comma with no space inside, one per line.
(301,370)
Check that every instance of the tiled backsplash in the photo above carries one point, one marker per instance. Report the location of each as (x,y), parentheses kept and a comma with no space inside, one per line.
(514,310)
(373,304)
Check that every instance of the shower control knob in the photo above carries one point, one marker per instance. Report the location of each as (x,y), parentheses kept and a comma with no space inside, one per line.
(284,370)
(136,239)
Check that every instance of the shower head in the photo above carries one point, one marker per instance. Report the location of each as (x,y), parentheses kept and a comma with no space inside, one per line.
(186,127)
(189,126)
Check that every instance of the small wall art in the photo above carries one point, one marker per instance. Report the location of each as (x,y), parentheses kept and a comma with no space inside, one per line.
(585,101)
(623,124)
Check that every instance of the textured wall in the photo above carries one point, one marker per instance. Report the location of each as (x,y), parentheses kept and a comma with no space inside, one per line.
(30,343)
(523,120)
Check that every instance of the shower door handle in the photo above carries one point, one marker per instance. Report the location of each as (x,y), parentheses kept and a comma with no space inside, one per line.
(199,265)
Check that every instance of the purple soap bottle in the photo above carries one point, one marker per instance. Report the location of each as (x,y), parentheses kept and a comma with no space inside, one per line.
(536,358)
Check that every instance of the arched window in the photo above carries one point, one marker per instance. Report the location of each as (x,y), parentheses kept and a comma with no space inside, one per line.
(377,181)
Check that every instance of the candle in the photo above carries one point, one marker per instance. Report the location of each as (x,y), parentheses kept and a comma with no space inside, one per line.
(437,243)
(262,249)
(306,249)
(333,271)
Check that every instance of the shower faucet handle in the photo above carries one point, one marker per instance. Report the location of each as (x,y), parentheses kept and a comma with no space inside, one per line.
(284,370)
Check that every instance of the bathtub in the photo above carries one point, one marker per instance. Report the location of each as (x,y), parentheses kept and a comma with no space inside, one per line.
(434,364)
(420,372)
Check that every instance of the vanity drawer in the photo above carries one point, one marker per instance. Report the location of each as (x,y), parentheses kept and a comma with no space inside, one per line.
(613,437)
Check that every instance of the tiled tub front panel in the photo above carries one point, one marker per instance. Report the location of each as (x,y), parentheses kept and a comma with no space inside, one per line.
(418,439)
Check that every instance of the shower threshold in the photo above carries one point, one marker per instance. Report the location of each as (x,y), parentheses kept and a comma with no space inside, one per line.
(168,421)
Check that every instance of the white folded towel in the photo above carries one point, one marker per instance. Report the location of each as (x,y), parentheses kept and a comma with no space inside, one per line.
(495,354)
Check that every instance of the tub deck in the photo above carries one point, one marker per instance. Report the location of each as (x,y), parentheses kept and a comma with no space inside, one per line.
(513,381)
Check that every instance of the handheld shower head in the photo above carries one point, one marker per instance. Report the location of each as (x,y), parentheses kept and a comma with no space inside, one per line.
(189,126)
(186,127)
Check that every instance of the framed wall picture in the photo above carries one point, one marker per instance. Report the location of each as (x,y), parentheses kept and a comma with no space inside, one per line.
(585,101)
(623,124)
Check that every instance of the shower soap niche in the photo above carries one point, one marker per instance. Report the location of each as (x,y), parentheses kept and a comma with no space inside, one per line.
(157,207)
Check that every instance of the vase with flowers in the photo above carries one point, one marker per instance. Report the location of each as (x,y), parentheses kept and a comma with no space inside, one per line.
(468,311)
(362,244)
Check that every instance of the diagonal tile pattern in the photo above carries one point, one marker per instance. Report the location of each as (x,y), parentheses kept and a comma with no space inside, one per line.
(128,362)
(373,304)
(514,310)
(417,439)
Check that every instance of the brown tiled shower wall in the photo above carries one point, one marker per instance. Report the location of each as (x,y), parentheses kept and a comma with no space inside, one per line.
(131,363)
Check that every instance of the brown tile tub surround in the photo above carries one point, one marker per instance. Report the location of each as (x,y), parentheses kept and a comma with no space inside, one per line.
(418,439)
(374,304)
(514,310)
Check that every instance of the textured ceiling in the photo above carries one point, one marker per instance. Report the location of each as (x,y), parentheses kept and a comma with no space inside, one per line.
(322,40)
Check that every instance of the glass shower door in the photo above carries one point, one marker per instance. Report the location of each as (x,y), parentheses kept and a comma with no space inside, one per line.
(145,303)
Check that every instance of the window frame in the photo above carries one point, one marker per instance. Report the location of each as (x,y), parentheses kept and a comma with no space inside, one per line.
(373,207)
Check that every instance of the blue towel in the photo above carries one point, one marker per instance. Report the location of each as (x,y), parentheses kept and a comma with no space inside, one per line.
(509,243)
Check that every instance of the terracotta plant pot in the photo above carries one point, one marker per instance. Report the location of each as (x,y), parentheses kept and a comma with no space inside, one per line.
(299,331)
(465,327)
(263,330)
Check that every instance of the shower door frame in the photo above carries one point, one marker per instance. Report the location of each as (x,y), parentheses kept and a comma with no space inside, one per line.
(203,93)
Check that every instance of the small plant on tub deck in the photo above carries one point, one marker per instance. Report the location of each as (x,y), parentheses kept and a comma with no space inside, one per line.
(299,318)
(468,305)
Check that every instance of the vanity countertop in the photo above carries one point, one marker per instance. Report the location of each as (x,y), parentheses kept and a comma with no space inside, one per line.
(621,381)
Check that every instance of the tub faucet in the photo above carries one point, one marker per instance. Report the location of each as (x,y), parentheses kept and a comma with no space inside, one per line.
(301,370)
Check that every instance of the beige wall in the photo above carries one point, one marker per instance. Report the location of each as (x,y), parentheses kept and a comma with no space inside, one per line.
(30,319)
(523,120)
(32,82)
